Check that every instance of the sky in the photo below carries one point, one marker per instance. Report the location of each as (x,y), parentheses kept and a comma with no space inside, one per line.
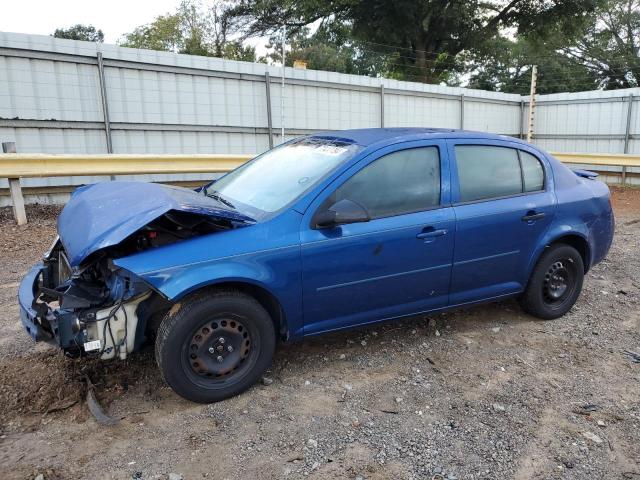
(113,17)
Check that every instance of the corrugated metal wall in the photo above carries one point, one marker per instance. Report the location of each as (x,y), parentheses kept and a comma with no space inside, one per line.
(51,101)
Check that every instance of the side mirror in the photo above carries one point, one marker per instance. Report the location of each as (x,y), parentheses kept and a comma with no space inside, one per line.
(340,213)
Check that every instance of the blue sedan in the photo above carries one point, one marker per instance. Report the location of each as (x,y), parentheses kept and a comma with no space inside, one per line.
(325,232)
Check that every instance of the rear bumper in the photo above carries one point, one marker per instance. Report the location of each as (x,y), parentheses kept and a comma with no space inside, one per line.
(29,316)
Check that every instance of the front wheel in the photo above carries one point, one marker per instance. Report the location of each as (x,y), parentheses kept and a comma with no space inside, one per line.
(214,345)
(555,284)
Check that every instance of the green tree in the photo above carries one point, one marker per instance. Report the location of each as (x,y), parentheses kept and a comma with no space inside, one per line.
(609,45)
(505,65)
(421,39)
(164,33)
(330,48)
(194,30)
(88,33)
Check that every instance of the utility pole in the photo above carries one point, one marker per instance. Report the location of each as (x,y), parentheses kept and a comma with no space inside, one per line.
(532,102)
(284,41)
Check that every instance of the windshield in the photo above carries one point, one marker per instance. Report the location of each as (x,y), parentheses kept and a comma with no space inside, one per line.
(281,175)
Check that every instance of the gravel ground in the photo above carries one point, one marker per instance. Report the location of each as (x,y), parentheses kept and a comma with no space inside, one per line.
(482,393)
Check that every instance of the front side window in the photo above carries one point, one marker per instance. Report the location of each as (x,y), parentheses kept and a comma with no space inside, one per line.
(278,177)
(401,182)
(487,172)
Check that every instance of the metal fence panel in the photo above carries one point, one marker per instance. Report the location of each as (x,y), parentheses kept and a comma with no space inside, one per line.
(160,102)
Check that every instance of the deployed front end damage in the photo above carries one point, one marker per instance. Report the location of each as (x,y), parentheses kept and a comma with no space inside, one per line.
(78,299)
(96,310)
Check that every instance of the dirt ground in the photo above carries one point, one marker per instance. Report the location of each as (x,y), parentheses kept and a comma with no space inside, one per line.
(483,393)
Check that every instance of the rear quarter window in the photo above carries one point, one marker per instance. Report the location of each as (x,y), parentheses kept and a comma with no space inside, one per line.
(532,172)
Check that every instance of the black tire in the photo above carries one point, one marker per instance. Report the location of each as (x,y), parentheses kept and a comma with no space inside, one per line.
(194,337)
(555,283)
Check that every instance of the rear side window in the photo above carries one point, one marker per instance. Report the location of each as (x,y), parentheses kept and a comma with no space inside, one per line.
(487,171)
(401,182)
(532,172)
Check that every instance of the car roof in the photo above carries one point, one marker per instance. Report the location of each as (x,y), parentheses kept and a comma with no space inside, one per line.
(371,136)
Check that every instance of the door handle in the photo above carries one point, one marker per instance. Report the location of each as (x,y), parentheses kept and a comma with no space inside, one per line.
(430,232)
(532,216)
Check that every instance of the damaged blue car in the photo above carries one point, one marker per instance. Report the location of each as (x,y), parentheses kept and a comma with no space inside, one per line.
(325,232)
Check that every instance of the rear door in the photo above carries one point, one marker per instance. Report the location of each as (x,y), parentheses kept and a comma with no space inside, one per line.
(397,263)
(504,203)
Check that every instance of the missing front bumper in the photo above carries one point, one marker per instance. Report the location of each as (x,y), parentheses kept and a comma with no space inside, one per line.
(108,332)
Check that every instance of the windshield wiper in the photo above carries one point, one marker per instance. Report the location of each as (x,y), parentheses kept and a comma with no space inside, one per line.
(217,197)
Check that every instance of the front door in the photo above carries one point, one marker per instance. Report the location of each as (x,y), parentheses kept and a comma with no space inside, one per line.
(397,263)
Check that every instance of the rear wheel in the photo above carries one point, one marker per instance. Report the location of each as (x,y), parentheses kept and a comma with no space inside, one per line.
(214,345)
(555,284)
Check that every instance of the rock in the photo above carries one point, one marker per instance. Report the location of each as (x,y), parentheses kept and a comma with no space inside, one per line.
(39,477)
(399,399)
(267,381)
(307,382)
(311,443)
(592,436)
(495,329)
(175,476)
(363,343)
(342,356)
(499,408)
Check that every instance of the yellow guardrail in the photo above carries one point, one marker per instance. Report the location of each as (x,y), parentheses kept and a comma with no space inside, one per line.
(24,165)
(14,166)
(600,159)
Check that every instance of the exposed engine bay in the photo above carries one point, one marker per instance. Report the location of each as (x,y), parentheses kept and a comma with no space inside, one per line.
(99,309)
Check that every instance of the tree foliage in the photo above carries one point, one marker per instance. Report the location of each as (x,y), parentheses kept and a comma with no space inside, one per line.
(609,45)
(193,29)
(88,33)
(488,44)
(422,39)
(331,48)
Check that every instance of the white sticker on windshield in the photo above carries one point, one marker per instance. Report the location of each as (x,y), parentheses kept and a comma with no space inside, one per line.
(331,149)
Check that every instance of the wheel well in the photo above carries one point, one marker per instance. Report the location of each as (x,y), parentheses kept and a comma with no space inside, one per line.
(265,298)
(580,244)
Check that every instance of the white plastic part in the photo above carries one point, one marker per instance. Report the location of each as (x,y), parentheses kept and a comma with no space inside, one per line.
(121,327)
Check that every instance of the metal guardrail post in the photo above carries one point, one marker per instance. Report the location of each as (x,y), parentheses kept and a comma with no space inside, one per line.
(381,106)
(627,137)
(17,200)
(267,82)
(462,111)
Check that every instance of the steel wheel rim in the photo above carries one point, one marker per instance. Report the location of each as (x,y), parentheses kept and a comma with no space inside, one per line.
(559,282)
(218,350)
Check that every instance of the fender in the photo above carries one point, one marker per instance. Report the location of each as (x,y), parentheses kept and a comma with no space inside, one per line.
(181,268)
(554,233)
(267,274)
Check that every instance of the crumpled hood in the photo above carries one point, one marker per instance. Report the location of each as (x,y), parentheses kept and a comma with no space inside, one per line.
(104,214)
